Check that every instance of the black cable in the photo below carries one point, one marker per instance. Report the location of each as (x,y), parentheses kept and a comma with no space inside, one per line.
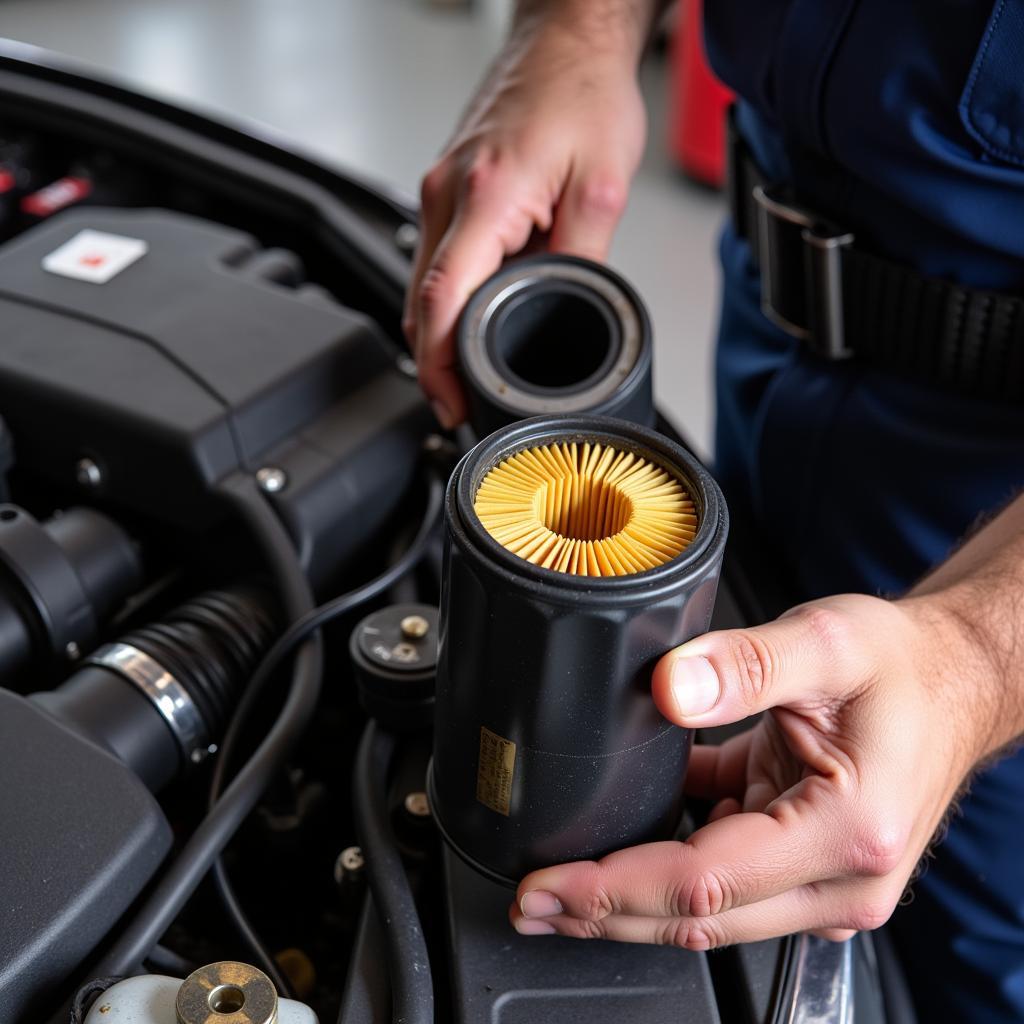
(165,961)
(405,590)
(263,957)
(213,833)
(412,987)
(264,675)
(314,620)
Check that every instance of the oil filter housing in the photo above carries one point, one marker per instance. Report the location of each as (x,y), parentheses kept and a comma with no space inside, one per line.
(555,334)
(578,550)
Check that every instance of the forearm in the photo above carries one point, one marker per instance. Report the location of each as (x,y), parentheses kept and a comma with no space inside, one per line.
(624,25)
(975,601)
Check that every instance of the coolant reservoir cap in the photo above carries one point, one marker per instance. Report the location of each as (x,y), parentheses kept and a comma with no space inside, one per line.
(227,992)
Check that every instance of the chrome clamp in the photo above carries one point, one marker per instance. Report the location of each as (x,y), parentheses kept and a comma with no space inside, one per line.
(171,699)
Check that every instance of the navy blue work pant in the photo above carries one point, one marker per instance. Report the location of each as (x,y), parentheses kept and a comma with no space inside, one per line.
(862,481)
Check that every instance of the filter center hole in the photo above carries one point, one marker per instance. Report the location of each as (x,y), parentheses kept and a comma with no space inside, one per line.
(226,999)
(554,339)
(595,511)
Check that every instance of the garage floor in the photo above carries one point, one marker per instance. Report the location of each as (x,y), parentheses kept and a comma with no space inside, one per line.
(375,86)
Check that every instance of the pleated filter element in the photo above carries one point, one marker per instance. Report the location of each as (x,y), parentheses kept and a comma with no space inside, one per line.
(586,509)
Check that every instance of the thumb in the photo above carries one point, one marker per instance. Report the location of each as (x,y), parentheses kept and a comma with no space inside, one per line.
(721,678)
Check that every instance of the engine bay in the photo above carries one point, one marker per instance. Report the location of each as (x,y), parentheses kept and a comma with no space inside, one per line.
(220,569)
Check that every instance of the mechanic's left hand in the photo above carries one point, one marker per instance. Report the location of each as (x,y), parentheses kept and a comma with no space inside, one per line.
(877,711)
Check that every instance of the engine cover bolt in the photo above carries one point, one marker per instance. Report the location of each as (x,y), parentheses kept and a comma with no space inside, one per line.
(417,805)
(349,865)
(88,473)
(414,627)
(271,480)
(407,237)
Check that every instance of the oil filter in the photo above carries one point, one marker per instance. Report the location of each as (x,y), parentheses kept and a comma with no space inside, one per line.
(578,550)
(555,334)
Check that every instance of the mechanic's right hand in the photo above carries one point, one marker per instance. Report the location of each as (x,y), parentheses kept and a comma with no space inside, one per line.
(550,144)
(877,712)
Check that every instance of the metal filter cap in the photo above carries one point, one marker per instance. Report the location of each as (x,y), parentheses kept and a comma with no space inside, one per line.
(227,992)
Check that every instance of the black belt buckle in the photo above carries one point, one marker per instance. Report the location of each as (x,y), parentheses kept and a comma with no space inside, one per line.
(800,256)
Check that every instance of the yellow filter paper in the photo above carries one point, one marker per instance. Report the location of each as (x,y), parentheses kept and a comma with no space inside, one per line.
(586,509)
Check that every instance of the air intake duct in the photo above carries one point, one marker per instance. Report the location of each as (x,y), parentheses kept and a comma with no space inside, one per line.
(578,551)
(160,697)
(60,581)
(80,765)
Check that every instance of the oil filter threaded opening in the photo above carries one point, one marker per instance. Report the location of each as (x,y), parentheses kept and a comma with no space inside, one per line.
(586,509)
(555,334)
(555,339)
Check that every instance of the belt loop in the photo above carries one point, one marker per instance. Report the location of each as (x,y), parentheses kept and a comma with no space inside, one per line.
(737,186)
(824,255)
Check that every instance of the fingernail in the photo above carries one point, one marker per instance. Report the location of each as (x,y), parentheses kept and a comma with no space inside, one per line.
(538,903)
(525,927)
(695,686)
(444,417)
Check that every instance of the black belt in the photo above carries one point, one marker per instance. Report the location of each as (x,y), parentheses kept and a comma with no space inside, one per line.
(819,286)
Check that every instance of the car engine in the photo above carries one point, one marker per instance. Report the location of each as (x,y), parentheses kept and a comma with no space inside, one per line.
(220,569)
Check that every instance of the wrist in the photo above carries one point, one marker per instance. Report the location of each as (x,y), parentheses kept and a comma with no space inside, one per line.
(614,29)
(962,668)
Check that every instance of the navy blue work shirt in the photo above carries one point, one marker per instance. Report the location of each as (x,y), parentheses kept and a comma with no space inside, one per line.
(902,119)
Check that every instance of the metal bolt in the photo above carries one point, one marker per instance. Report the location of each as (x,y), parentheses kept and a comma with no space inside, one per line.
(349,864)
(407,237)
(405,653)
(417,805)
(228,990)
(200,754)
(88,473)
(72,651)
(407,365)
(414,627)
(271,479)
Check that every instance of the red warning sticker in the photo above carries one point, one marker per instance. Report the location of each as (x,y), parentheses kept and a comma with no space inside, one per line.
(95,256)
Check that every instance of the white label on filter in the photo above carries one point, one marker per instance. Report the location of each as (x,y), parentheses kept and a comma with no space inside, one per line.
(95,256)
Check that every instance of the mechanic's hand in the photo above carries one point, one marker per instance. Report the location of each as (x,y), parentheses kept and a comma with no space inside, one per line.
(875,716)
(550,145)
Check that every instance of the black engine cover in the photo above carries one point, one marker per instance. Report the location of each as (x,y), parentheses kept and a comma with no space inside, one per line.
(204,356)
(82,836)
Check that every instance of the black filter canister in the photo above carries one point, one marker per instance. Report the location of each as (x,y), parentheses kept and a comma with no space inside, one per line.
(578,550)
(555,334)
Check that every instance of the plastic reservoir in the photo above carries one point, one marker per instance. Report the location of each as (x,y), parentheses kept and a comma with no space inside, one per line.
(150,999)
